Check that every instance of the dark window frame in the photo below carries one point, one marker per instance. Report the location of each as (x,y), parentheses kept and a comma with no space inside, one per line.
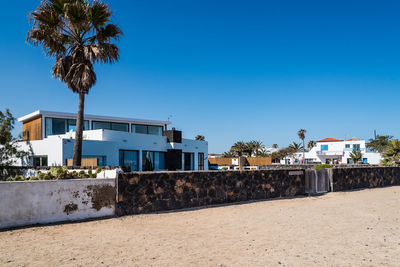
(128,150)
(66,124)
(147,128)
(200,161)
(110,123)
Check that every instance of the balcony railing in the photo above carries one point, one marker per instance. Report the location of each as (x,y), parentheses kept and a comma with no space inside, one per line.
(357,149)
(330,153)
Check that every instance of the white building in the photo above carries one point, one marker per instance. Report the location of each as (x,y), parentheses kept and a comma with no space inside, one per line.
(335,151)
(112,141)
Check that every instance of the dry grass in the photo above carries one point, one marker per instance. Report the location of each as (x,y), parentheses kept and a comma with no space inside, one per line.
(359,228)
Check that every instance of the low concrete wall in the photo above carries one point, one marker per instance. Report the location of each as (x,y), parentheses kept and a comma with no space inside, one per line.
(39,202)
(143,192)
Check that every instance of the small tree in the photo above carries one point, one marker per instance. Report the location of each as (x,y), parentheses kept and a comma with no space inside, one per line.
(356,156)
(380,143)
(311,144)
(9,150)
(200,137)
(392,154)
(302,135)
(275,146)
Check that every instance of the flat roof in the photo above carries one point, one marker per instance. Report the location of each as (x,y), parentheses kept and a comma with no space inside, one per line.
(67,115)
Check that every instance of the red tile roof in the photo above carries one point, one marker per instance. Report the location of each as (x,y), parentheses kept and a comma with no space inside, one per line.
(353,139)
(330,139)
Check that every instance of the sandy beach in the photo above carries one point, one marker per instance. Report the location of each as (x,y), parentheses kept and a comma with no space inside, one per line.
(359,228)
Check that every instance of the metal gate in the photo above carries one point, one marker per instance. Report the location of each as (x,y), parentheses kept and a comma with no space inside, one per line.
(318,181)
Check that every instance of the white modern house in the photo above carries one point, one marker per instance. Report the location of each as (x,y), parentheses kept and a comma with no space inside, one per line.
(110,141)
(335,151)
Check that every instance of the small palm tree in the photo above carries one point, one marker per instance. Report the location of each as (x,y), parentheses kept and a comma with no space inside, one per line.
(392,153)
(77,33)
(239,148)
(200,137)
(295,147)
(275,146)
(355,156)
(254,147)
(302,135)
(311,144)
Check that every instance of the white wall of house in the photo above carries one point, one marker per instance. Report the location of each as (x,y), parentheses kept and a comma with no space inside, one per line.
(59,148)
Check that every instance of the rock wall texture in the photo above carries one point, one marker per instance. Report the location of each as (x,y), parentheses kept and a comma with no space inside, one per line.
(161,191)
(355,178)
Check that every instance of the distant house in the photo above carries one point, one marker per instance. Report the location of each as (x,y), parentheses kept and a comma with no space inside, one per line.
(110,141)
(236,163)
(335,151)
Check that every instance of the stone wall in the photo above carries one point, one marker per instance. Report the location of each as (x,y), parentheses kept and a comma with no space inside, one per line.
(160,191)
(366,177)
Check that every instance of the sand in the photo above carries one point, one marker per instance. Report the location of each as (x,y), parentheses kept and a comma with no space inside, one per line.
(358,228)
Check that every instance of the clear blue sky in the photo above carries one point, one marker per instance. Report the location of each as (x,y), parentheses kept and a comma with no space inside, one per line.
(230,70)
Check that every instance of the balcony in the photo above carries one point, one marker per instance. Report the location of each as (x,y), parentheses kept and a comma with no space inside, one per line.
(330,153)
(357,149)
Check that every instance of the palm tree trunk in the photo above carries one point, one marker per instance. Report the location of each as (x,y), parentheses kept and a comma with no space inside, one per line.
(304,154)
(79,129)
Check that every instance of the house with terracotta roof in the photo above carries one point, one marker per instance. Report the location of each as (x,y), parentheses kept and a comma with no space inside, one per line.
(335,151)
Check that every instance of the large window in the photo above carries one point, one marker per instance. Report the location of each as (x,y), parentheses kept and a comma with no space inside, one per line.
(106,125)
(188,160)
(55,126)
(324,147)
(129,158)
(356,147)
(152,160)
(201,161)
(147,129)
(39,161)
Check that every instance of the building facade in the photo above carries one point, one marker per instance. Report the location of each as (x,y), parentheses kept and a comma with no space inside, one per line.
(110,141)
(335,151)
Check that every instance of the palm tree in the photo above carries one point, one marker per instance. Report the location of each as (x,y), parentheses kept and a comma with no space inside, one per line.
(392,153)
(199,137)
(239,148)
(302,135)
(254,147)
(380,143)
(356,156)
(295,147)
(275,146)
(77,33)
(311,144)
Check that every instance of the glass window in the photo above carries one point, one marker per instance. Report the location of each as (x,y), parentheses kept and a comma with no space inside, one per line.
(71,125)
(139,128)
(123,127)
(324,147)
(356,147)
(347,145)
(61,126)
(201,161)
(101,125)
(129,158)
(154,130)
(161,161)
(58,126)
(39,161)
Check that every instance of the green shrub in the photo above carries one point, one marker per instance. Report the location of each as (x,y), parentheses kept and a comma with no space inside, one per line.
(98,170)
(19,178)
(322,166)
(9,179)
